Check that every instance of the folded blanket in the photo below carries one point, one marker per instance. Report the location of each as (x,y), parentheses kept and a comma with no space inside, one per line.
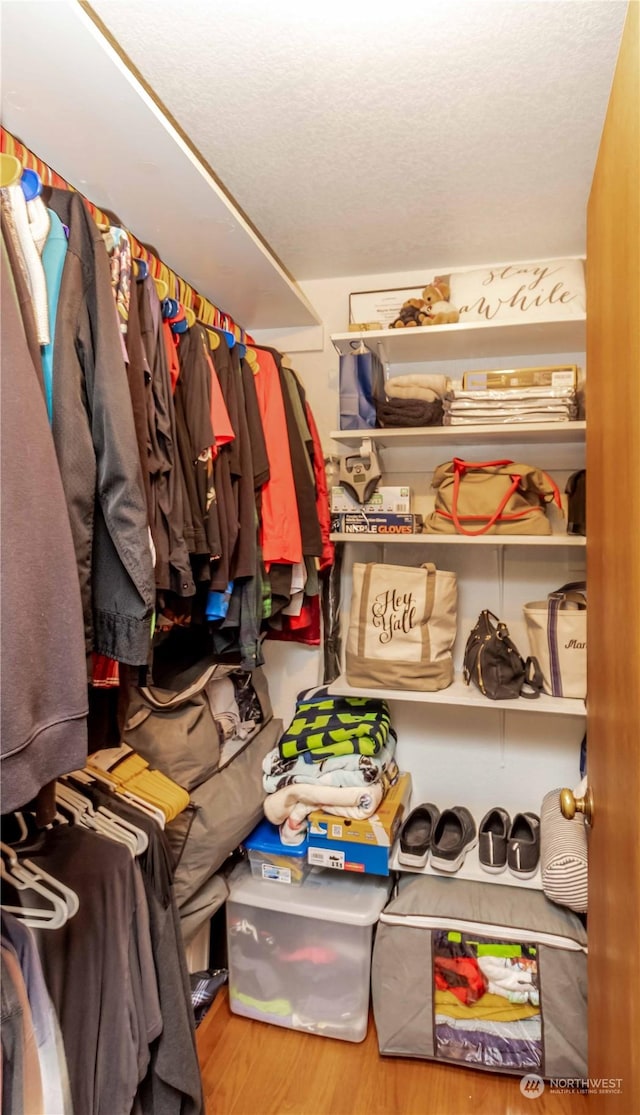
(341,770)
(327,726)
(409,412)
(415,386)
(290,808)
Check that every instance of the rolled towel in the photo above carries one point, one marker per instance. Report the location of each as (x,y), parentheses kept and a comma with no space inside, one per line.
(409,412)
(417,386)
(343,801)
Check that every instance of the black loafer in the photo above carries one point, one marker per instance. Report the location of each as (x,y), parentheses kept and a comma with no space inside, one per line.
(416,833)
(492,840)
(454,836)
(523,845)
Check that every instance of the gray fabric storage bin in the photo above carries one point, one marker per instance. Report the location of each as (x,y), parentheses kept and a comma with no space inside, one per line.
(431,920)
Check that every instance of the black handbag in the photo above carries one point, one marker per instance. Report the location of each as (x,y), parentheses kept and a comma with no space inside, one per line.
(494,664)
(576,490)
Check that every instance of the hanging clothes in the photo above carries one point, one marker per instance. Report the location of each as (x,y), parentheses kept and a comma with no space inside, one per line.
(97,450)
(192,400)
(173,569)
(280,540)
(53,258)
(44,693)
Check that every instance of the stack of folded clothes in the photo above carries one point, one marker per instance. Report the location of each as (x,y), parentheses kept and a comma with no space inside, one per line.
(486,1002)
(413,400)
(337,754)
(511,404)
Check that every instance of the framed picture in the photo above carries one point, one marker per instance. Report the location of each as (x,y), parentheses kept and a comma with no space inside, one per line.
(381,306)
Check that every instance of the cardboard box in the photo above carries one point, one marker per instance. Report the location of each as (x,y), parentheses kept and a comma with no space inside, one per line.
(363,846)
(363,522)
(565,375)
(385,499)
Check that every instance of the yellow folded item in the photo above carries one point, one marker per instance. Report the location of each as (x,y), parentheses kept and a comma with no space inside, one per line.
(491,1008)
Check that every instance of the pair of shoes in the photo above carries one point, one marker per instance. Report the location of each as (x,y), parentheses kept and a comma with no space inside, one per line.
(448,836)
(505,843)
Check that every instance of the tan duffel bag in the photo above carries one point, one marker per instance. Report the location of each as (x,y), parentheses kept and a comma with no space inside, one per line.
(491,497)
(402,627)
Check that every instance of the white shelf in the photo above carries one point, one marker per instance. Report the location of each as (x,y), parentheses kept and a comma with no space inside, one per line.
(526,433)
(466,696)
(554,540)
(100,129)
(470,869)
(469,340)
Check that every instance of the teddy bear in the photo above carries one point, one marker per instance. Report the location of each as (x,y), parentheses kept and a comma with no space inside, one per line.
(433,308)
(437,307)
(409,314)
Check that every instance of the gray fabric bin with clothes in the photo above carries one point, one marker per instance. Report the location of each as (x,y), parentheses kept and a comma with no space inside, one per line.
(224,780)
(485,976)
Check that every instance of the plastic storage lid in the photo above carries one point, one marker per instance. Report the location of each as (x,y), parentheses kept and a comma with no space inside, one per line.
(344,898)
(265,838)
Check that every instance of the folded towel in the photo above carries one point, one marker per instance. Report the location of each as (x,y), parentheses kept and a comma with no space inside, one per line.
(290,808)
(417,386)
(341,770)
(409,412)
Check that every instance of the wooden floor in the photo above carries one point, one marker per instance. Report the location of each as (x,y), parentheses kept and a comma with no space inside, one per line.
(252,1068)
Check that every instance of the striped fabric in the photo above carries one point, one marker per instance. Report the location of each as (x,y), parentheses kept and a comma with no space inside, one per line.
(332,726)
(563,855)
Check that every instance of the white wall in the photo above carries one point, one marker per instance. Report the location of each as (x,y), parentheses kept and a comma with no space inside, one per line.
(456,756)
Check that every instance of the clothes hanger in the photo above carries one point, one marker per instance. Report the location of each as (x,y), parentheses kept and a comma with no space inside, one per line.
(12,871)
(141,838)
(39,219)
(39,874)
(106,783)
(10,169)
(87,816)
(252,360)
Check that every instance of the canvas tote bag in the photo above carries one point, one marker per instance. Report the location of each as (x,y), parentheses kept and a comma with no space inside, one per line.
(402,627)
(557,630)
(491,497)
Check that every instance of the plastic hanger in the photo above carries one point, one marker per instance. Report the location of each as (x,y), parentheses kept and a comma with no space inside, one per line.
(52,917)
(215,340)
(102,823)
(142,269)
(141,838)
(39,219)
(251,357)
(10,169)
(70,897)
(162,288)
(102,779)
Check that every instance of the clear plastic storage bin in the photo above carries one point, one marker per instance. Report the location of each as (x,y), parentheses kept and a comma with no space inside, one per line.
(274,861)
(301,957)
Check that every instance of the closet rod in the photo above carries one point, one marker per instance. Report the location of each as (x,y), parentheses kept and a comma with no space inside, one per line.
(204,310)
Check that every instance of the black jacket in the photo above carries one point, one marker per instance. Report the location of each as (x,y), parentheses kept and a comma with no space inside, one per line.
(95,439)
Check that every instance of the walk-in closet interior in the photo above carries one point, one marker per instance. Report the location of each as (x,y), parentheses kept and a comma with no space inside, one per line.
(319,654)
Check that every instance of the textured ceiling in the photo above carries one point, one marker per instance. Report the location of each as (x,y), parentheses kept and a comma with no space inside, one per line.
(367,136)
